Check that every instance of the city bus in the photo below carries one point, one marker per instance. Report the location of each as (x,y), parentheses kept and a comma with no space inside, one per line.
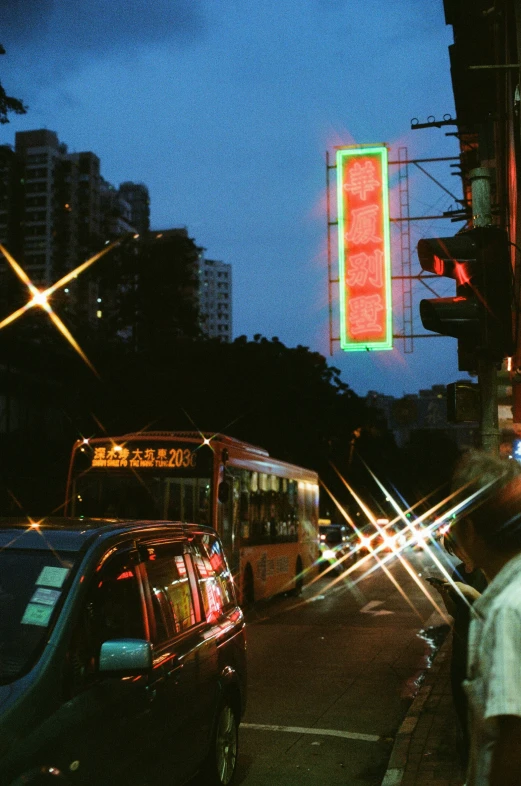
(265,511)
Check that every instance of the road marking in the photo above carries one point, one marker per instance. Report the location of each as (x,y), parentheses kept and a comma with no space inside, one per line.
(369,608)
(348,735)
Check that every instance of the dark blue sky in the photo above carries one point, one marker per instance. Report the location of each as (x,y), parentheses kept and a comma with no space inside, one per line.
(225,109)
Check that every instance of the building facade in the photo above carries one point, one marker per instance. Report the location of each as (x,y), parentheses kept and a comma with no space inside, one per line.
(215,298)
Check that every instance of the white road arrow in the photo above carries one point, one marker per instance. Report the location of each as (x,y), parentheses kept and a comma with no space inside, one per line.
(370,607)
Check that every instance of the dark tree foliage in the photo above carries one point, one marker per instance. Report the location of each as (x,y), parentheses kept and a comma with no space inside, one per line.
(166,305)
(9,103)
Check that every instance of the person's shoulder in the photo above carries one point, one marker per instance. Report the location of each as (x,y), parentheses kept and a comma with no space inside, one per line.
(508,601)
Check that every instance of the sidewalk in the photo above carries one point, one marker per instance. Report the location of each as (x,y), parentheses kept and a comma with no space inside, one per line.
(424,751)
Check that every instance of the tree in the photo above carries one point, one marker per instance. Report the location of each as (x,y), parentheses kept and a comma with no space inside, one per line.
(9,103)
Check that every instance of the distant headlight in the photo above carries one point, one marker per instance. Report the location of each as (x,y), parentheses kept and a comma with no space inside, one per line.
(329,554)
(366,542)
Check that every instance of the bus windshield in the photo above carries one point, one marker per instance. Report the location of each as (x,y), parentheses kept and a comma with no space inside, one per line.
(100,494)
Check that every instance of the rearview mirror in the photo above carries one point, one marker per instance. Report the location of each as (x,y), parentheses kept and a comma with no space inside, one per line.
(125,656)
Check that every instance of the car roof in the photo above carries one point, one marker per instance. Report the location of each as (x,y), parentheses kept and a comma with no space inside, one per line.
(73,534)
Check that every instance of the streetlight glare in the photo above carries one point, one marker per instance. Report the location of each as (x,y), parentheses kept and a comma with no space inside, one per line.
(41,297)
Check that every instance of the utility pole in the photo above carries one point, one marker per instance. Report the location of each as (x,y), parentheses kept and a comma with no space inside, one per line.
(487,371)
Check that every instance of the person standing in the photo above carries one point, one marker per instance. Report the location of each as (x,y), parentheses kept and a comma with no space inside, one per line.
(489,533)
(470,582)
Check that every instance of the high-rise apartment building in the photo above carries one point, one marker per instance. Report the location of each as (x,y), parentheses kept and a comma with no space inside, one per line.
(215,298)
(58,207)
(116,212)
(56,211)
(137,197)
(10,197)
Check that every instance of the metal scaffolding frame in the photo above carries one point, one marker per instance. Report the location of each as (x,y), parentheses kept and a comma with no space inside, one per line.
(405,250)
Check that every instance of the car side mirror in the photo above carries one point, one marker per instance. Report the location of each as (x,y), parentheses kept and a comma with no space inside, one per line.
(125,656)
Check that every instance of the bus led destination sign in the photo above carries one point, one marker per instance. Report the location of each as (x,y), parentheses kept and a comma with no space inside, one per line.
(364,248)
(142,457)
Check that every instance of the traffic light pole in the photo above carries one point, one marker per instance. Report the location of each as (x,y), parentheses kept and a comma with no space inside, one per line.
(487,372)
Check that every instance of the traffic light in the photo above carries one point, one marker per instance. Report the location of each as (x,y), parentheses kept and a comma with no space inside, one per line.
(480,315)
(463,405)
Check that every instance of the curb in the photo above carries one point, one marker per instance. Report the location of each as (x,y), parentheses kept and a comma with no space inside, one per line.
(399,754)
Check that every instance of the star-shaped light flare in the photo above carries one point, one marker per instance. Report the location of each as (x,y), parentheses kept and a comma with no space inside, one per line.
(40,297)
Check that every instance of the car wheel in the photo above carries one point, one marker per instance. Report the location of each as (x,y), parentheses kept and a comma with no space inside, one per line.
(220,764)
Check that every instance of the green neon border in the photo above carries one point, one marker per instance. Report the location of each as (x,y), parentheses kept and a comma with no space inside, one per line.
(346,343)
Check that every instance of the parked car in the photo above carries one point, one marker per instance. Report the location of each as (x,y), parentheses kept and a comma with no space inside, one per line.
(336,546)
(122,654)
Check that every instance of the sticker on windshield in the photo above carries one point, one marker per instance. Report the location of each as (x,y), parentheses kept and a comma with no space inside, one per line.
(49,597)
(52,577)
(37,614)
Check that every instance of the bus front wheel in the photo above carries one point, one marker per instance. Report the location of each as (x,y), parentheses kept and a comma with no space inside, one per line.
(248,592)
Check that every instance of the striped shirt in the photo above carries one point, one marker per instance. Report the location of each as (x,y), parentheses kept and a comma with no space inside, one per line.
(493,683)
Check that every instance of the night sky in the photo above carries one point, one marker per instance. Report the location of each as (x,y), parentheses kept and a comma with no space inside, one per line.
(225,110)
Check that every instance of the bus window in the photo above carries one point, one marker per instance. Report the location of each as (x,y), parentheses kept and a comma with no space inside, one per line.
(244,505)
(187,499)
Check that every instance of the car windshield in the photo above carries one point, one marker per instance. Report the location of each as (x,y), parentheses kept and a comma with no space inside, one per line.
(31,587)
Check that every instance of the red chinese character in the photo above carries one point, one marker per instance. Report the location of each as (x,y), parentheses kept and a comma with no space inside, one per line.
(363,268)
(361,179)
(363,226)
(363,314)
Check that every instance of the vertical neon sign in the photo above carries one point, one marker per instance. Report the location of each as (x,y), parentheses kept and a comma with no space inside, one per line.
(364,254)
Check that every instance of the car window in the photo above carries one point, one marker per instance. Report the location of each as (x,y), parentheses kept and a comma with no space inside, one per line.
(31,588)
(214,577)
(112,609)
(172,600)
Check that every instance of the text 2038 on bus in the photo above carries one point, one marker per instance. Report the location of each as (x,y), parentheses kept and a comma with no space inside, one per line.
(265,511)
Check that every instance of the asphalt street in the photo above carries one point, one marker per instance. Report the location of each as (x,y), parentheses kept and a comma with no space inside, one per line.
(331,676)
